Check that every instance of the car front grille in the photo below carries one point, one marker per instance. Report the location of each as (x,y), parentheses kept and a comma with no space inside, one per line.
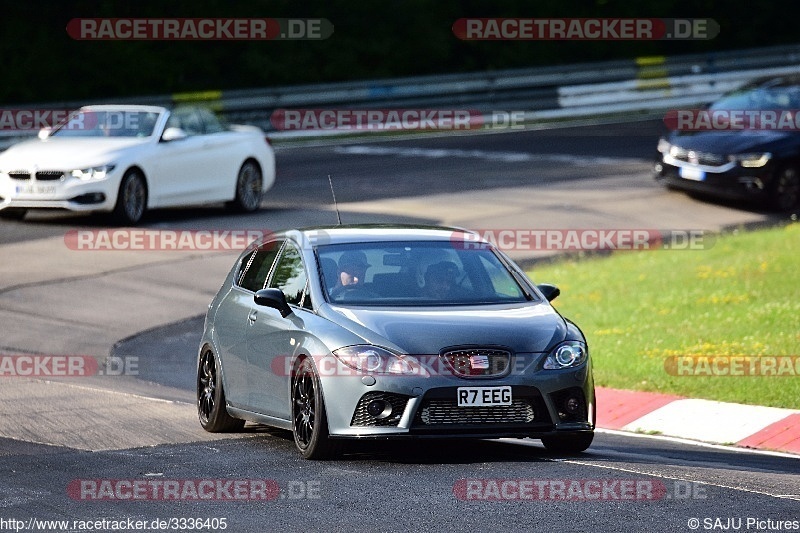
(477,362)
(697,158)
(19,175)
(361,416)
(434,412)
(49,175)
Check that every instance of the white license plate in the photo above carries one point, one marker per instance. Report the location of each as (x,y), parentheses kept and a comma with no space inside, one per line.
(690,173)
(36,189)
(480,396)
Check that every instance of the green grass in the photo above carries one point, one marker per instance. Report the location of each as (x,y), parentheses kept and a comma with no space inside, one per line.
(638,308)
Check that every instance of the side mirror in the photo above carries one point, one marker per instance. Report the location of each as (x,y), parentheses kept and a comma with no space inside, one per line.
(44,133)
(273,298)
(173,134)
(550,292)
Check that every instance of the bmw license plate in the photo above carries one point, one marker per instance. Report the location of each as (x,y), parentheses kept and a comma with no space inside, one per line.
(480,396)
(36,189)
(690,173)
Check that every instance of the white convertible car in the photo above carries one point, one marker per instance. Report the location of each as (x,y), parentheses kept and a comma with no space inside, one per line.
(127,159)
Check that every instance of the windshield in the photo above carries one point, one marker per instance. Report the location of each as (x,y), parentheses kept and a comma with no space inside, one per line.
(108,123)
(787,97)
(415,273)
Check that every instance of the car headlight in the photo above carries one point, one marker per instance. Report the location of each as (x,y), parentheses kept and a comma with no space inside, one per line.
(567,354)
(663,146)
(97,173)
(755,160)
(376,360)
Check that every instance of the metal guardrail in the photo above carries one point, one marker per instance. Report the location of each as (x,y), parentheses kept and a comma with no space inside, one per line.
(546,93)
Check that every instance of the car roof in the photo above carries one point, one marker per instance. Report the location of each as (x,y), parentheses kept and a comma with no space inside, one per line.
(364,233)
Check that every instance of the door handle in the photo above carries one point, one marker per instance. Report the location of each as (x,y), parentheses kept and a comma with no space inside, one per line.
(252,316)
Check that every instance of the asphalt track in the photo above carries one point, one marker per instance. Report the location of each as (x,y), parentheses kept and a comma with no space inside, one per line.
(145,307)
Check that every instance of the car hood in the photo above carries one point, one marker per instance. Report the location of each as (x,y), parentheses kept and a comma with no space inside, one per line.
(734,142)
(66,153)
(529,327)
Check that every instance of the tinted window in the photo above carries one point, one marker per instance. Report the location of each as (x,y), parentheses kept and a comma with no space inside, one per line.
(254,272)
(289,275)
(415,273)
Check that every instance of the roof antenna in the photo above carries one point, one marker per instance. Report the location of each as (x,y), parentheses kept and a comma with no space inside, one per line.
(338,216)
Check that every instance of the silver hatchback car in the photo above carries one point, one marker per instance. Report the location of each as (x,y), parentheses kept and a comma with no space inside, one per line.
(358,332)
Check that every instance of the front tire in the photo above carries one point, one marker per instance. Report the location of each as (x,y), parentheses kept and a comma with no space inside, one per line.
(785,190)
(132,199)
(211,409)
(309,420)
(249,183)
(570,443)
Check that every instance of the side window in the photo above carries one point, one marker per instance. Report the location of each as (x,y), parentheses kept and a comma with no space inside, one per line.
(187,119)
(210,121)
(256,266)
(289,275)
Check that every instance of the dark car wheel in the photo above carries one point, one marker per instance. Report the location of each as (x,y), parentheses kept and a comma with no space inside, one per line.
(574,443)
(13,213)
(309,421)
(785,193)
(211,409)
(248,188)
(131,200)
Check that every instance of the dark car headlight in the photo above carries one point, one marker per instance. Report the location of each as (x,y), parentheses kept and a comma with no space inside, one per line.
(754,160)
(567,354)
(376,360)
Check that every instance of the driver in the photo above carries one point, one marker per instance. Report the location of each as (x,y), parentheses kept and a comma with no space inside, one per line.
(441,280)
(352,269)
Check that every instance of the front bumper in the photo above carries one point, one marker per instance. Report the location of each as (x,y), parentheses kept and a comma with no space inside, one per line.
(67,193)
(728,181)
(427,406)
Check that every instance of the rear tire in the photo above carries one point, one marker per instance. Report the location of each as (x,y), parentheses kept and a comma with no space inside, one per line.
(211,409)
(13,213)
(569,443)
(309,419)
(131,200)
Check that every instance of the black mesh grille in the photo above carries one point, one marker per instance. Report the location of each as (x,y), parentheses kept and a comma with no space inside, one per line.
(19,175)
(478,362)
(362,418)
(49,175)
(447,412)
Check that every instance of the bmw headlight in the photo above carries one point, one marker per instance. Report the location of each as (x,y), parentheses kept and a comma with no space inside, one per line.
(566,355)
(663,145)
(754,160)
(97,173)
(376,360)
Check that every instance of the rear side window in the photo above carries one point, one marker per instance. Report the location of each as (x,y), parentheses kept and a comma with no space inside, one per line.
(289,275)
(254,272)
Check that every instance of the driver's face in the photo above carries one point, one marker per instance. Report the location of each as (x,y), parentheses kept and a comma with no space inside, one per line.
(352,276)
